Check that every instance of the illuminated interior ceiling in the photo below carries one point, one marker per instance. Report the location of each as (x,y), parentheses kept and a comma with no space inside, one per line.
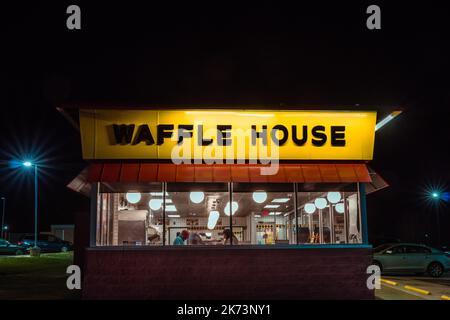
(217,201)
(279,198)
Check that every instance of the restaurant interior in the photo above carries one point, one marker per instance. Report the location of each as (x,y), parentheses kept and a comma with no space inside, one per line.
(155,214)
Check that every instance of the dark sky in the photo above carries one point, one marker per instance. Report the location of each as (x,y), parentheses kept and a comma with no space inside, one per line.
(218,53)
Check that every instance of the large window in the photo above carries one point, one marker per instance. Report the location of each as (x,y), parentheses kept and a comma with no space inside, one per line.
(195,213)
(328,213)
(227,214)
(264,213)
(126,215)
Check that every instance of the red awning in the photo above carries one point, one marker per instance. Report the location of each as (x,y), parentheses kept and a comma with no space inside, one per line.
(167,172)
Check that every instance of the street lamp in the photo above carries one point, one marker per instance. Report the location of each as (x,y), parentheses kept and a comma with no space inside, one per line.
(436,197)
(5,231)
(3,215)
(29,164)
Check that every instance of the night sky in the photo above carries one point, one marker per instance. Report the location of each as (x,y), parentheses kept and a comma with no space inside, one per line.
(217,53)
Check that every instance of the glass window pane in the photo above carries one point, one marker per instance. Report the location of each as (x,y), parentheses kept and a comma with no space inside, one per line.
(328,214)
(264,213)
(195,213)
(199,213)
(124,216)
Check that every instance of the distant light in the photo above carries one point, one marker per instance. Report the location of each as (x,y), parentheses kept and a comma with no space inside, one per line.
(340,207)
(310,208)
(271,206)
(173,215)
(445,196)
(155,204)
(386,120)
(27,164)
(133,197)
(197,196)
(171,208)
(437,193)
(235,207)
(320,203)
(257,216)
(5,228)
(334,197)
(208,234)
(157,194)
(275,213)
(259,196)
(281,200)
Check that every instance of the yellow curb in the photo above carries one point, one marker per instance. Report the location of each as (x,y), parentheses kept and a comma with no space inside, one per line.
(392,283)
(417,290)
(444,297)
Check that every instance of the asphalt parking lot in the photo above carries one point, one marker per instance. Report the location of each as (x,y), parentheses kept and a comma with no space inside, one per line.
(436,287)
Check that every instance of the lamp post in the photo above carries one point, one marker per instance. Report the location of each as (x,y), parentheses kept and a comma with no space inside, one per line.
(30,164)
(3,215)
(436,196)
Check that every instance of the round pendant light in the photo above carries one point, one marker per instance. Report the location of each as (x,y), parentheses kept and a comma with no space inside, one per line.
(320,203)
(234,208)
(133,197)
(310,208)
(259,196)
(334,197)
(155,204)
(197,196)
(340,207)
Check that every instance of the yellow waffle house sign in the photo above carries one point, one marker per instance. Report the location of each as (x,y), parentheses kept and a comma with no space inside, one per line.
(231,134)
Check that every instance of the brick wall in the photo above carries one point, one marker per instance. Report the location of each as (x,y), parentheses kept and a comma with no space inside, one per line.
(81,237)
(225,273)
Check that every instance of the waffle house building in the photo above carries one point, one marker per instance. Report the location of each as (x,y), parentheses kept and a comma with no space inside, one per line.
(191,203)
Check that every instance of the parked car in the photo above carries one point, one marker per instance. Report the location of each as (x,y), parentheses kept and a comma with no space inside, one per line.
(411,258)
(47,243)
(446,249)
(7,247)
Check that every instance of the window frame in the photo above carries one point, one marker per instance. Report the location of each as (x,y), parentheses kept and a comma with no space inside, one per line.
(230,185)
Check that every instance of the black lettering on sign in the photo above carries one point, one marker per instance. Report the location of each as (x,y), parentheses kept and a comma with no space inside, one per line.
(224,135)
(145,135)
(123,133)
(338,136)
(318,132)
(200,140)
(297,141)
(163,133)
(273,134)
(262,134)
(184,131)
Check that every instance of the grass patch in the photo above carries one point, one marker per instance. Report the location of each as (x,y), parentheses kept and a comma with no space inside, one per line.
(44,277)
